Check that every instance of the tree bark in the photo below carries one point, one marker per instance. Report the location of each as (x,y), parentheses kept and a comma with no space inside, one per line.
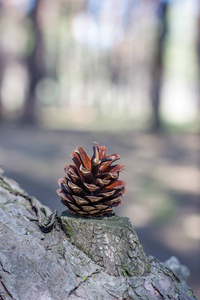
(46,257)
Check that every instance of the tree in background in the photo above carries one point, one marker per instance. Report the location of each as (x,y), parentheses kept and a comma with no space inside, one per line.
(158,63)
(1,71)
(198,49)
(1,68)
(35,63)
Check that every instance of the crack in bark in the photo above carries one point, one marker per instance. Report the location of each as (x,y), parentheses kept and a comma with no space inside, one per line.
(6,271)
(5,289)
(157,291)
(73,291)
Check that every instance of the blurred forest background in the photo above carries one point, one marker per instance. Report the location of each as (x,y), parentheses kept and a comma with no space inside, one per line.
(125,73)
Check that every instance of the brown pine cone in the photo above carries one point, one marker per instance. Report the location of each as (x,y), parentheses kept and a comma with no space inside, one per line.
(91,187)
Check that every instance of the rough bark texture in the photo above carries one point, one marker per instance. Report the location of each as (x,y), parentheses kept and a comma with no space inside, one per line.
(90,259)
(111,242)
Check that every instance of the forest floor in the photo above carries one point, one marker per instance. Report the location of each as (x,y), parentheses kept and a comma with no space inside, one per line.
(161,171)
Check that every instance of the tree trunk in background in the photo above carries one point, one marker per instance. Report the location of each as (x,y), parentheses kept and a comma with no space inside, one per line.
(158,64)
(36,64)
(46,257)
(1,75)
(1,72)
(198,52)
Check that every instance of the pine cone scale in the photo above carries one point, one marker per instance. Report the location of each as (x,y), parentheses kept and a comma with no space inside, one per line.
(65,189)
(101,206)
(119,184)
(86,160)
(79,200)
(72,174)
(86,175)
(87,208)
(102,152)
(116,169)
(115,200)
(94,199)
(91,187)
(107,194)
(101,182)
(73,207)
(75,188)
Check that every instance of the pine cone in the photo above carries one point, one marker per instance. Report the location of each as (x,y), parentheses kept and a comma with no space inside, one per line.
(91,187)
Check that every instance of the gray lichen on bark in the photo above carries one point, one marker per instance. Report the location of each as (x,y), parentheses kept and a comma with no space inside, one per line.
(38,260)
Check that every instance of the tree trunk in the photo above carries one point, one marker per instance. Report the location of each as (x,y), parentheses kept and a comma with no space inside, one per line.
(36,64)
(46,257)
(1,79)
(157,71)
(198,54)
(2,65)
